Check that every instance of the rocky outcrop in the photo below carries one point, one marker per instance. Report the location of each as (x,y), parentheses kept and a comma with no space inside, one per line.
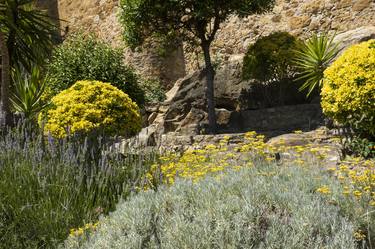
(355,36)
(320,140)
(184,111)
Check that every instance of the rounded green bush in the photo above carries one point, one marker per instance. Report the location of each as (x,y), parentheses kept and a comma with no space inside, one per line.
(270,58)
(278,211)
(91,106)
(269,64)
(348,93)
(86,58)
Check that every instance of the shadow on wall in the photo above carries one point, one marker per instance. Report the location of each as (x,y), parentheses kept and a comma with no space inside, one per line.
(51,6)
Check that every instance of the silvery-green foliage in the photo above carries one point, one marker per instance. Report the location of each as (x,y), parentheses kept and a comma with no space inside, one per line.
(248,209)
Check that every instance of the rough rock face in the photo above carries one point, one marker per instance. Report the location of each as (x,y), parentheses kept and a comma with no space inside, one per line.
(299,17)
(184,114)
(357,35)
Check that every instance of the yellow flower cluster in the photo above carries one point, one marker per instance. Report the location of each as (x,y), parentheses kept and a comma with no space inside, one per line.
(323,190)
(195,164)
(348,93)
(357,177)
(359,235)
(90,227)
(91,105)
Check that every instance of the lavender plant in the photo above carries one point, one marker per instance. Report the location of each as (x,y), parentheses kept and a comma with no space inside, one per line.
(49,186)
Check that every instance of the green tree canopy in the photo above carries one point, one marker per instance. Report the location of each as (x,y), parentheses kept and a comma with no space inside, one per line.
(196,21)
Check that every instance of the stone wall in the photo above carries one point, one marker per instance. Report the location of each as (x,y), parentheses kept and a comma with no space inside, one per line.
(299,17)
(99,17)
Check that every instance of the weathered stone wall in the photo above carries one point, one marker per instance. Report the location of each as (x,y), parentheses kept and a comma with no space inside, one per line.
(299,17)
(99,17)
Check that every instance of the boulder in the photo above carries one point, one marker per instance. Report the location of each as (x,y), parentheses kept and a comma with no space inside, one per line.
(321,139)
(355,36)
(187,112)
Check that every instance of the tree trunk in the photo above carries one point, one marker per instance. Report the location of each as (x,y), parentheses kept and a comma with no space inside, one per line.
(5,82)
(210,94)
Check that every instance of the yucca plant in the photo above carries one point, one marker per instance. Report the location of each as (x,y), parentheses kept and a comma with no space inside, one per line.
(26,95)
(312,58)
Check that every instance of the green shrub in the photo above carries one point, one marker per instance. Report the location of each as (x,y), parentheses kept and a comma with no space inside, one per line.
(154,92)
(262,207)
(26,95)
(86,58)
(269,61)
(358,146)
(47,188)
(90,106)
(348,93)
(270,58)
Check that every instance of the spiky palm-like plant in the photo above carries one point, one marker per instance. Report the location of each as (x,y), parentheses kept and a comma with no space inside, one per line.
(28,32)
(26,97)
(312,59)
(26,39)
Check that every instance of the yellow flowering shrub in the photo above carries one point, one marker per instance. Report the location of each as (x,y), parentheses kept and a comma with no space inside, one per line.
(215,160)
(348,93)
(89,106)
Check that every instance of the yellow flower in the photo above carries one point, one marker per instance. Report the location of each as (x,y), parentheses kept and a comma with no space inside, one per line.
(357,193)
(359,235)
(323,190)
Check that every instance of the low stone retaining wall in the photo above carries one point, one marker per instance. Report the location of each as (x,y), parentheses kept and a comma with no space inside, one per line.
(275,121)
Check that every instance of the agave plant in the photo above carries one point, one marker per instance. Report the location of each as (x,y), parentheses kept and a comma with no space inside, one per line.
(26,95)
(312,59)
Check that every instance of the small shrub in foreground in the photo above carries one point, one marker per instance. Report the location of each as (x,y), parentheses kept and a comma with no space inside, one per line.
(92,106)
(262,207)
